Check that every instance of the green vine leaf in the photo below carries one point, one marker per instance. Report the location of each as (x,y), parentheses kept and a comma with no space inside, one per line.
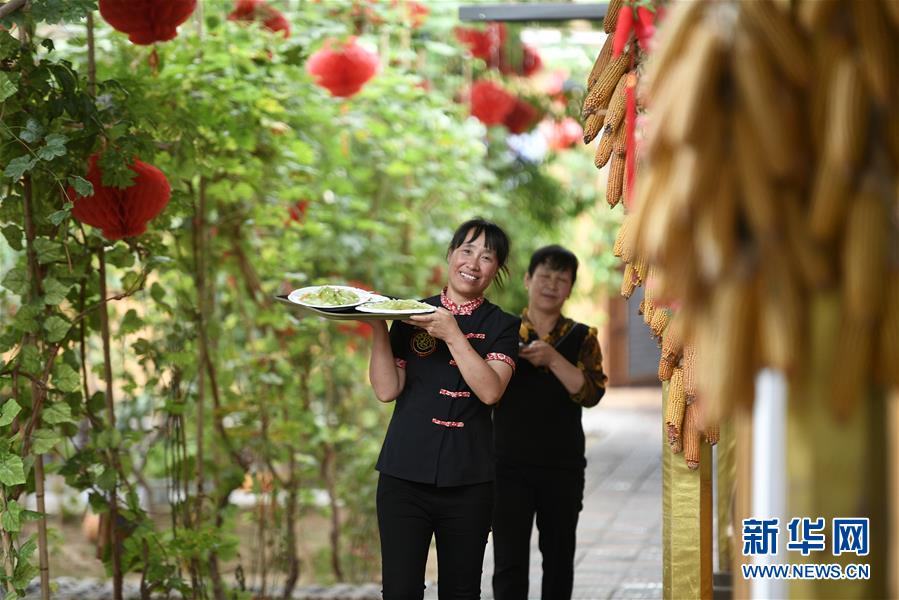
(9,411)
(7,87)
(55,146)
(44,440)
(33,132)
(19,166)
(48,251)
(57,413)
(56,328)
(54,291)
(82,186)
(16,281)
(10,519)
(11,469)
(54,11)
(66,379)
(13,235)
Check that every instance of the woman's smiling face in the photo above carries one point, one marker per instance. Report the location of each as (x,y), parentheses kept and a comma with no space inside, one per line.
(472,267)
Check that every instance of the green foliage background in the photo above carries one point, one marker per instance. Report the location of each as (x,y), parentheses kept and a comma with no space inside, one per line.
(216,387)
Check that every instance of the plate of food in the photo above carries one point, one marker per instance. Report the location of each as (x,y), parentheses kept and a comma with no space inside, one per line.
(397,306)
(329,296)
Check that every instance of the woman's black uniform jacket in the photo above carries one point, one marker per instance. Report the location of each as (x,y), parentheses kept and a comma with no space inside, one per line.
(440,432)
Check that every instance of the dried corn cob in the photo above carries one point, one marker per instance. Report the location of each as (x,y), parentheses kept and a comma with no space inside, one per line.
(602,60)
(675,407)
(813,263)
(713,434)
(593,126)
(615,181)
(812,14)
(888,335)
(628,282)
(611,18)
(892,9)
(673,339)
(673,37)
(829,201)
(769,108)
(865,254)
(666,369)
(853,355)
(878,49)
(649,310)
(619,143)
(689,366)
(692,436)
(757,198)
(660,319)
(604,149)
(706,54)
(615,113)
(620,238)
(715,233)
(779,311)
(847,114)
(641,270)
(784,41)
(599,95)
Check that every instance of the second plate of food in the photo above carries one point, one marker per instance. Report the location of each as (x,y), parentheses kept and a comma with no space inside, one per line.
(390,307)
(329,296)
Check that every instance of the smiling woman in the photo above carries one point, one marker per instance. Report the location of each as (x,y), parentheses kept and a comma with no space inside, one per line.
(445,369)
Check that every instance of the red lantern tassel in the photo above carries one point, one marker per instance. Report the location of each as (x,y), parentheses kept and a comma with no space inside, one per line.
(630,124)
(622,30)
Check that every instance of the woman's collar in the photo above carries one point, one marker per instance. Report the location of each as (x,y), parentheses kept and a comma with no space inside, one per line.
(460,309)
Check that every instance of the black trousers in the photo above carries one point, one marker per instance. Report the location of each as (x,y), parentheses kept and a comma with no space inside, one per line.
(556,497)
(409,514)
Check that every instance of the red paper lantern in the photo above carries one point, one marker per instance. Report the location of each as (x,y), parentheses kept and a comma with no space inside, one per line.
(122,212)
(417,13)
(147,21)
(483,44)
(561,134)
(530,63)
(522,117)
(297,212)
(257,10)
(490,103)
(343,72)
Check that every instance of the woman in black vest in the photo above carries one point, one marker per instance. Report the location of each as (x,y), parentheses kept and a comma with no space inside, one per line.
(445,370)
(538,434)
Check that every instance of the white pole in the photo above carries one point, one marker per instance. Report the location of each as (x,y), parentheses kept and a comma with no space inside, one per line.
(769,473)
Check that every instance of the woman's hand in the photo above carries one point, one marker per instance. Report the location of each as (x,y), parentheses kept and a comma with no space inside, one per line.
(539,354)
(440,324)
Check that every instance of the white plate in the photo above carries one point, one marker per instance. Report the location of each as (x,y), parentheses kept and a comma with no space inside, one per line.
(296,295)
(369,307)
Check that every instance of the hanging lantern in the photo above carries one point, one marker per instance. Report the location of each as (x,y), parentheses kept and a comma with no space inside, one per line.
(147,21)
(122,212)
(258,10)
(483,44)
(522,117)
(562,134)
(490,103)
(416,13)
(343,72)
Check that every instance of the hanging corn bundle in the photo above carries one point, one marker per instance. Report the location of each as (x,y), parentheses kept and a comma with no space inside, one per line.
(770,179)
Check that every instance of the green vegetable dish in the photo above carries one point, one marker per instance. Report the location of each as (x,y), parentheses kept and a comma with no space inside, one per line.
(329,296)
(402,304)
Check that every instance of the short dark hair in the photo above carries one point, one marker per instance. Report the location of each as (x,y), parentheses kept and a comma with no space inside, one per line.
(494,239)
(556,258)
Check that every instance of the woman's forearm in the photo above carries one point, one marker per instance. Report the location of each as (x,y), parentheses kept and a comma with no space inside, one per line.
(568,374)
(486,383)
(386,378)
